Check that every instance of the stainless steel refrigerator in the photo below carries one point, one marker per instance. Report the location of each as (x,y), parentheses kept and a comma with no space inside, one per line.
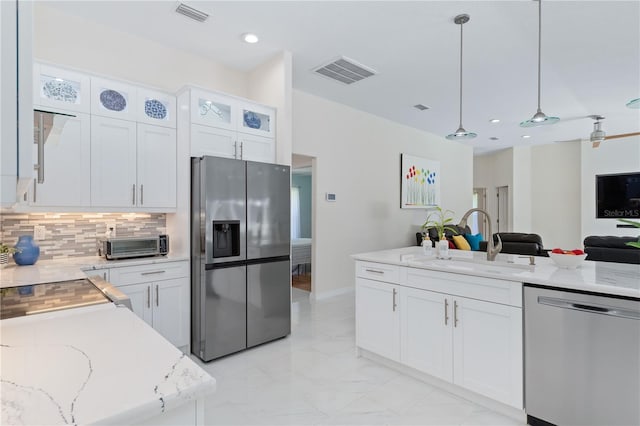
(240,255)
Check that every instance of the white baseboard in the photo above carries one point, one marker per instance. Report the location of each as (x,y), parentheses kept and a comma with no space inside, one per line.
(315,296)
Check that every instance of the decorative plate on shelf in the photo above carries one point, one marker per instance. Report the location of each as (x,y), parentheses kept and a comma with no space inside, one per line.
(113,100)
(155,109)
(252,120)
(60,91)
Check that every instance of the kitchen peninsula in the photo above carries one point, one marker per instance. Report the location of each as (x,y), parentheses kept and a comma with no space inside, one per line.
(98,364)
(458,323)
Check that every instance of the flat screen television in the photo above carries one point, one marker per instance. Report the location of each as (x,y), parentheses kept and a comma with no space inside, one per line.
(618,196)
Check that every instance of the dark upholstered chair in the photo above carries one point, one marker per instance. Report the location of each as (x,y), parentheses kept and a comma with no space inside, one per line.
(520,243)
(611,249)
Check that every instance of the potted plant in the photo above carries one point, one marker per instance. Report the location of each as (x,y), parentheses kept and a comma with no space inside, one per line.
(440,220)
(635,244)
(5,251)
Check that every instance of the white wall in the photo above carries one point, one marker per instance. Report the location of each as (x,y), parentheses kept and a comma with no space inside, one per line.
(357,156)
(613,156)
(555,195)
(519,199)
(78,43)
(272,83)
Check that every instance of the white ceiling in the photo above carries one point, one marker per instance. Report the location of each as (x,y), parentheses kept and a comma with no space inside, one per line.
(590,56)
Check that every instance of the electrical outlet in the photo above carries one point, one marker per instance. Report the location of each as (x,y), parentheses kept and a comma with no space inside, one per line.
(112,226)
(39,232)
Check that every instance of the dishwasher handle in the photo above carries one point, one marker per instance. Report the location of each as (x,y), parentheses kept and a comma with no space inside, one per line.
(589,307)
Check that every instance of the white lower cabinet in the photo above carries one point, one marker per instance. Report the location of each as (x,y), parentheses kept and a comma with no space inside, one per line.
(159,295)
(473,343)
(378,320)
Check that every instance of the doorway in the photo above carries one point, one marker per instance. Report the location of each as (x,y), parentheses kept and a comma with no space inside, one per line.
(301,218)
(478,223)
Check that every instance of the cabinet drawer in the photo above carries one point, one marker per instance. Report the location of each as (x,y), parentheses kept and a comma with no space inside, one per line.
(479,288)
(380,272)
(148,273)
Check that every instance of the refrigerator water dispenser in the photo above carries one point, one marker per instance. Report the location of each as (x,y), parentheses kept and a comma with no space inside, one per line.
(226,238)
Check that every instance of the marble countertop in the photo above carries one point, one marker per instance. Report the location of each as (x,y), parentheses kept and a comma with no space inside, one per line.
(70,268)
(607,278)
(97,364)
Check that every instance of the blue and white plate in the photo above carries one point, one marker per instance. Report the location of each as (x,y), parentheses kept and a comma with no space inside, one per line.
(113,100)
(252,120)
(62,91)
(155,109)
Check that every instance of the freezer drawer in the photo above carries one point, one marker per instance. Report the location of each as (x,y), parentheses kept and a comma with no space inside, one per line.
(581,358)
(224,321)
(268,301)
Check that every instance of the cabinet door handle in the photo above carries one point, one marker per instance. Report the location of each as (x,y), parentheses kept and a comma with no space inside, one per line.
(157,296)
(104,276)
(141,194)
(374,271)
(35,188)
(40,142)
(242,150)
(446,311)
(394,299)
(153,272)
(148,296)
(455,313)
(235,149)
(133,195)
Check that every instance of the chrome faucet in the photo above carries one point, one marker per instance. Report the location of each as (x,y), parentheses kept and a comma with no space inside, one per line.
(492,250)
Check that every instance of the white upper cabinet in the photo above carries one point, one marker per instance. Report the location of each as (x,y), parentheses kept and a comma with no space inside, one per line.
(157,108)
(156,167)
(113,99)
(113,163)
(215,110)
(257,120)
(67,166)
(226,126)
(60,88)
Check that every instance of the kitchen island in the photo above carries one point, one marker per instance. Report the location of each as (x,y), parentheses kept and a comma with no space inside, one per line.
(99,364)
(458,323)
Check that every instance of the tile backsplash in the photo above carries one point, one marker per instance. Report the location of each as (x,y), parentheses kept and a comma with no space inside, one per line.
(77,234)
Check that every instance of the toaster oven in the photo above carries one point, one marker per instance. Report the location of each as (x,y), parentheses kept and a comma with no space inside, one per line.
(128,247)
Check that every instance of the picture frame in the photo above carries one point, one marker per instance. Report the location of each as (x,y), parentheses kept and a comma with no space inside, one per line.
(419,182)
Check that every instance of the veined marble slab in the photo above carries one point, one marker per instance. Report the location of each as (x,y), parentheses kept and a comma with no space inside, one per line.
(619,279)
(71,268)
(98,364)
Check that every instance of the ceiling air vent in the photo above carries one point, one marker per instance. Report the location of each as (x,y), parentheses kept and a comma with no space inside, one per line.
(421,107)
(344,70)
(192,13)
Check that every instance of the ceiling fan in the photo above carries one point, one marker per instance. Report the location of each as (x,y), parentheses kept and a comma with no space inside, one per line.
(598,135)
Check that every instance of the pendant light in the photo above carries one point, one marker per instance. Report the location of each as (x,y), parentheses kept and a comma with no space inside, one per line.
(461,133)
(539,118)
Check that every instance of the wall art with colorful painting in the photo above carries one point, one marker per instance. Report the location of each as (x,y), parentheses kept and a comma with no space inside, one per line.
(420,182)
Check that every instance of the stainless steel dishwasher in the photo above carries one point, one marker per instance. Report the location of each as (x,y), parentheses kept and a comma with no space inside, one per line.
(582,358)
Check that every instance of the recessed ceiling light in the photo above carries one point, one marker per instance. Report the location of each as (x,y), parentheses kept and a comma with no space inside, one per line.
(493,138)
(250,38)
(421,107)
(526,136)
(494,120)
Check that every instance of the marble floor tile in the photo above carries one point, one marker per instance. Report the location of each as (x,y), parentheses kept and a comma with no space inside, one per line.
(313,377)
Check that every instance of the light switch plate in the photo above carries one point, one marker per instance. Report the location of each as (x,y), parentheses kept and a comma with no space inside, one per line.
(39,232)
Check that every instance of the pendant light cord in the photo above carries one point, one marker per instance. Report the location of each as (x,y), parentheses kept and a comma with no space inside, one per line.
(539,48)
(461,25)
